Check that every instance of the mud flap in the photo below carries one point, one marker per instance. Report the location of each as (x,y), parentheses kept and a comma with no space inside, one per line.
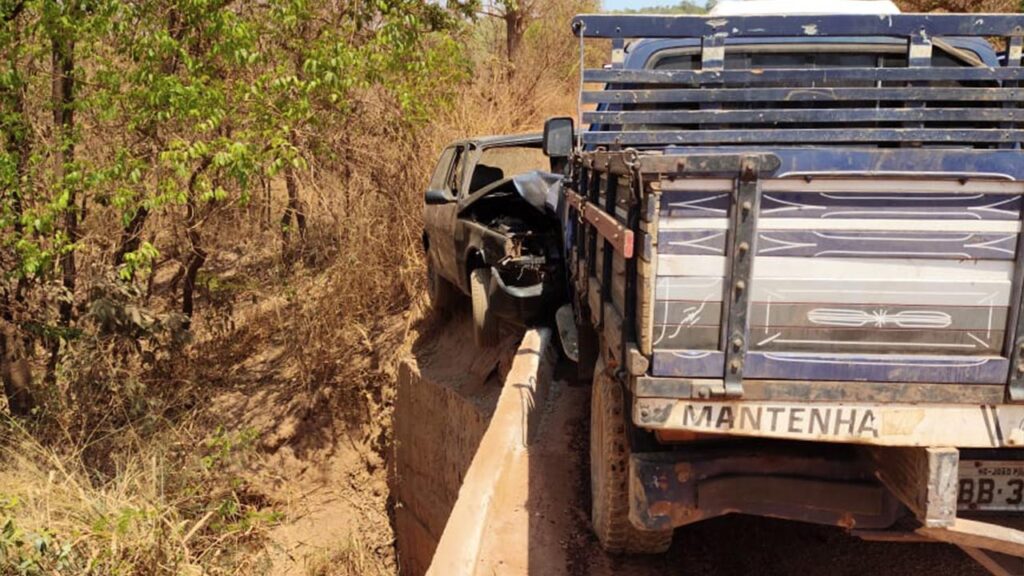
(568,335)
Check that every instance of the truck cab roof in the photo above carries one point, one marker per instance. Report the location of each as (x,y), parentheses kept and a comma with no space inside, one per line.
(642,53)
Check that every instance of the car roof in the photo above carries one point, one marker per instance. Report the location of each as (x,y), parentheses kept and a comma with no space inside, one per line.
(503,140)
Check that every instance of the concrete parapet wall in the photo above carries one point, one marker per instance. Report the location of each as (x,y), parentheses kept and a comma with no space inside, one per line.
(492,488)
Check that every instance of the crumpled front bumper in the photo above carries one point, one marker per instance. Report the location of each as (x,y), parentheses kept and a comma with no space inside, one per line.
(523,304)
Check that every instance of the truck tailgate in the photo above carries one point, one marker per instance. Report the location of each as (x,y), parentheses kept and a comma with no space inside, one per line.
(853,278)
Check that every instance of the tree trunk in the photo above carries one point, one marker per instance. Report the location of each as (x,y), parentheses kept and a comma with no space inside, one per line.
(63,96)
(62,51)
(515,28)
(131,236)
(294,209)
(266,215)
(18,143)
(15,372)
(197,256)
(15,375)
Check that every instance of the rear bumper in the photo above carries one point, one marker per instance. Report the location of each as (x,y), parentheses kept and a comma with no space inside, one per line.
(829,487)
(905,493)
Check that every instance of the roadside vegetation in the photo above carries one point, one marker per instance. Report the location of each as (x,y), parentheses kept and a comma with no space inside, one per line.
(209,246)
(684,7)
(961,5)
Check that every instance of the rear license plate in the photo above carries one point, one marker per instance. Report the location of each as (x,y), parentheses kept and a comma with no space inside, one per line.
(991,485)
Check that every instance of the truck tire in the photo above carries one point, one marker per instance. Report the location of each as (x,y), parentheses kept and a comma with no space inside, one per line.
(443,294)
(485,324)
(609,474)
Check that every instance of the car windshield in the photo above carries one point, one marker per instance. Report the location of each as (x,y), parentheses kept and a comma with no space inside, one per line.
(512,160)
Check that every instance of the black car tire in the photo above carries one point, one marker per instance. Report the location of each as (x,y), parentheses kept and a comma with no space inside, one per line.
(609,473)
(443,294)
(485,324)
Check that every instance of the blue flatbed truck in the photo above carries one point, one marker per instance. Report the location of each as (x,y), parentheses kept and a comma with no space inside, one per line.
(794,252)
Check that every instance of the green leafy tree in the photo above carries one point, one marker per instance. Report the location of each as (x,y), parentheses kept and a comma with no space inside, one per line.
(316,63)
(114,113)
(960,5)
(684,7)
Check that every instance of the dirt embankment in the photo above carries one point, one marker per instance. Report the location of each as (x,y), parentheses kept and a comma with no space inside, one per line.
(320,459)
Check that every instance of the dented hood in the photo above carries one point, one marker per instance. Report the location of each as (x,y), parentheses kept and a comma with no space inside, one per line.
(540,189)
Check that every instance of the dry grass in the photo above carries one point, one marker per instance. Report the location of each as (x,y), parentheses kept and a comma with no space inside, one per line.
(351,559)
(160,513)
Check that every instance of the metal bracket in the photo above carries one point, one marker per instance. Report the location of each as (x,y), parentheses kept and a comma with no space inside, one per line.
(712,54)
(920,50)
(620,237)
(1015,386)
(1014,53)
(746,206)
(1015,383)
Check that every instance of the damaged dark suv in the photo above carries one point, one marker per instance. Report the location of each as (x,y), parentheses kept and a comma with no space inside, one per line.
(491,231)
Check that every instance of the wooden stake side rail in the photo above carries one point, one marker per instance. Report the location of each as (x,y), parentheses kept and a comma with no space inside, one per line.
(620,237)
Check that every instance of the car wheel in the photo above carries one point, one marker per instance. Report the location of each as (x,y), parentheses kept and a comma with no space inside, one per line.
(485,325)
(443,294)
(609,473)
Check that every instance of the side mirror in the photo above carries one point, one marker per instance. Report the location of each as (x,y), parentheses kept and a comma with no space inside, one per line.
(439,196)
(558,136)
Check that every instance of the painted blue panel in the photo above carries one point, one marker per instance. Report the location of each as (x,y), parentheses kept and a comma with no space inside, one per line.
(877,368)
(962,137)
(806,27)
(917,162)
(760,117)
(704,242)
(869,244)
(694,204)
(613,99)
(789,76)
(841,243)
(886,203)
(688,363)
(837,367)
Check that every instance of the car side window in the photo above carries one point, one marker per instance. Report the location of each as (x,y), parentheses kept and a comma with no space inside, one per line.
(458,167)
(439,180)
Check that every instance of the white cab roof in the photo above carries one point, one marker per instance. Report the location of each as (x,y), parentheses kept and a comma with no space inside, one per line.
(786,7)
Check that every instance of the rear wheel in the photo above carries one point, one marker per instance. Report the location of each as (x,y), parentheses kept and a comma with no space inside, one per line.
(485,324)
(609,473)
(443,294)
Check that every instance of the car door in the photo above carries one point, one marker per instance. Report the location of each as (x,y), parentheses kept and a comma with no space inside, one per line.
(439,219)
